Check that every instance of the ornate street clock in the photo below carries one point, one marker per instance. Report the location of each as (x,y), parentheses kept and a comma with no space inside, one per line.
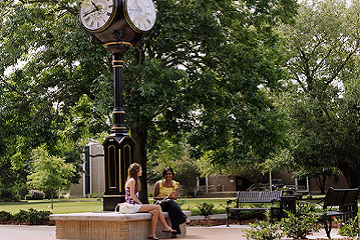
(108,20)
(117,24)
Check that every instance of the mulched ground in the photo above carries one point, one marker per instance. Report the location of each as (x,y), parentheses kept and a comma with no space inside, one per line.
(48,223)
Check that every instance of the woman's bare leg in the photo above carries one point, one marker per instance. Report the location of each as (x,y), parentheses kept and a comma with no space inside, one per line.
(162,219)
(154,221)
(150,207)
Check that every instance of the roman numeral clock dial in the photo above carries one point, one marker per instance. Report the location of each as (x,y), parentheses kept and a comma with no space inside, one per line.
(140,14)
(96,15)
(117,20)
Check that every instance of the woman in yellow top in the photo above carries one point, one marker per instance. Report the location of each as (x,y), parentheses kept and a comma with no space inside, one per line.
(167,191)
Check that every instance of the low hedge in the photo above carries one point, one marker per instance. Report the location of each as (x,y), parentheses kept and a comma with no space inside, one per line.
(29,217)
(254,214)
(5,216)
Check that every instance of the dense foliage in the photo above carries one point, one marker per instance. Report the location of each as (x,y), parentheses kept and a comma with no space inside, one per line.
(206,72)
(322,99)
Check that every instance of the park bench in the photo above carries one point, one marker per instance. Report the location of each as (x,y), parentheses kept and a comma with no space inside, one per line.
(340,203)
(253,197)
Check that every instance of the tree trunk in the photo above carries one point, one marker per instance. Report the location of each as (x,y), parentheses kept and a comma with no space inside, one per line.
(140,138)
(351,173)
(320,180)
(52,199)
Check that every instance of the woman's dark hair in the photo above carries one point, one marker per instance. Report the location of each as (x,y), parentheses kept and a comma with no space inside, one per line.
(167,170)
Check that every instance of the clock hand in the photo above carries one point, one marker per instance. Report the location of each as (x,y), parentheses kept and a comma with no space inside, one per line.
(89,12)
(94,10)
(96,7)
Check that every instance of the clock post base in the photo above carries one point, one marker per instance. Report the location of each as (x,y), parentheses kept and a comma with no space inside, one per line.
(110,201)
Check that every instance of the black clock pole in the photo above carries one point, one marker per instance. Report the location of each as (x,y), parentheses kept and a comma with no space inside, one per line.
(117,24)
(118,146)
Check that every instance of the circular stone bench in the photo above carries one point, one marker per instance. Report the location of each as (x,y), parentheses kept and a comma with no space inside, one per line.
(108,225)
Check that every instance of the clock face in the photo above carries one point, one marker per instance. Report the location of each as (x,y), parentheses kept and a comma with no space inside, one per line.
(140,14)
(96,15)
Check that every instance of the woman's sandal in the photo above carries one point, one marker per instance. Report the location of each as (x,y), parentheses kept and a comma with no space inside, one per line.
(170,231)
(154,238)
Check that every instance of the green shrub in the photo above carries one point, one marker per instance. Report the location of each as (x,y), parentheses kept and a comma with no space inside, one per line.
(293,226)
(299,226)
(248,214)
(5,216)
(264,230)
(206,209)
(32,216)
(351,227)
(21,216)
(253,214)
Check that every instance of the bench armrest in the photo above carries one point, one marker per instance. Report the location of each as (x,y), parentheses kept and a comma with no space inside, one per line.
(274,201)
(228,202)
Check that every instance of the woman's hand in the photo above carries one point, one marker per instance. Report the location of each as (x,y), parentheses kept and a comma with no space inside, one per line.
(172,194)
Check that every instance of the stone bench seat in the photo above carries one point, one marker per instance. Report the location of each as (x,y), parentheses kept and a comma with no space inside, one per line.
(108,225)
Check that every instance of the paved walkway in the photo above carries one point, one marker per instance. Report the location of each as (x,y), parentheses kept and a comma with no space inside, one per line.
(236,232)
(21,232)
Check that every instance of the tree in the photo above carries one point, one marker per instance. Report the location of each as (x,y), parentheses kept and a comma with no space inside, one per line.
(348,143)
(231,61)
(206,69)
(49,173)
(323,46)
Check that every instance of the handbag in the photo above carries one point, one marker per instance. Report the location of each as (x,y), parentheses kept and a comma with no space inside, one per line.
(125,208)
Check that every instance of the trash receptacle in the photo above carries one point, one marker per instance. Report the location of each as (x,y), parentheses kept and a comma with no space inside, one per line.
(287,203)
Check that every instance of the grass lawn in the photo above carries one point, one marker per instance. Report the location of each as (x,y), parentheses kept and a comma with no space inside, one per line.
(91,205)
(189,204)
(60,206)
